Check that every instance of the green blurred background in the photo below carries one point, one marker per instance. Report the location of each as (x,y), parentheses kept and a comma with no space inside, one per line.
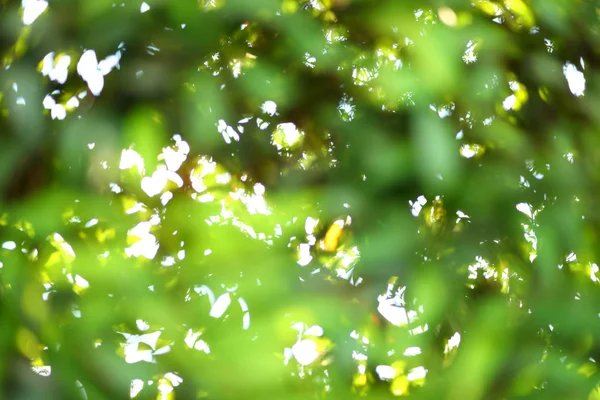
(299,199)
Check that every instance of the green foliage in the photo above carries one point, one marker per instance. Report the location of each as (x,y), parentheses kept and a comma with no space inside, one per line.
(294,199)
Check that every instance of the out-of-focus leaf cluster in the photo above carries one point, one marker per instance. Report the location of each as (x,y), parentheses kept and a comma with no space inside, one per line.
(293,199)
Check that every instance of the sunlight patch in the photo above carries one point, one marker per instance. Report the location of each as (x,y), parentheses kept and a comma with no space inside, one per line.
(391,311)
(227,132)
(448,16)
(59,242)
(57,111)
(286,135)
(310,225)
(131,347)
(192,341)
(412,351)
(43,370)
(10,245)
(167,384)
(56,70)
(144,243)
(305,351)
(269,107)
(525,209)
(154,184)
(131,158)
(136,387)
(417,373)
(468,150)
(575,79)
(470,55)
(174,158)
(78,281)
(93,72)
(32,9)
(362,76)
(509,102)
(304,257)
(417,205)
(220,306)
(385,372)
(593,271)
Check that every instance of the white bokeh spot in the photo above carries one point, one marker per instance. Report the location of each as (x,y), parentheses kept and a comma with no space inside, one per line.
(32,9)
(93,72)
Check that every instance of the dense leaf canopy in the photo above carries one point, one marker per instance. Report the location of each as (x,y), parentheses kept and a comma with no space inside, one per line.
(294,199)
